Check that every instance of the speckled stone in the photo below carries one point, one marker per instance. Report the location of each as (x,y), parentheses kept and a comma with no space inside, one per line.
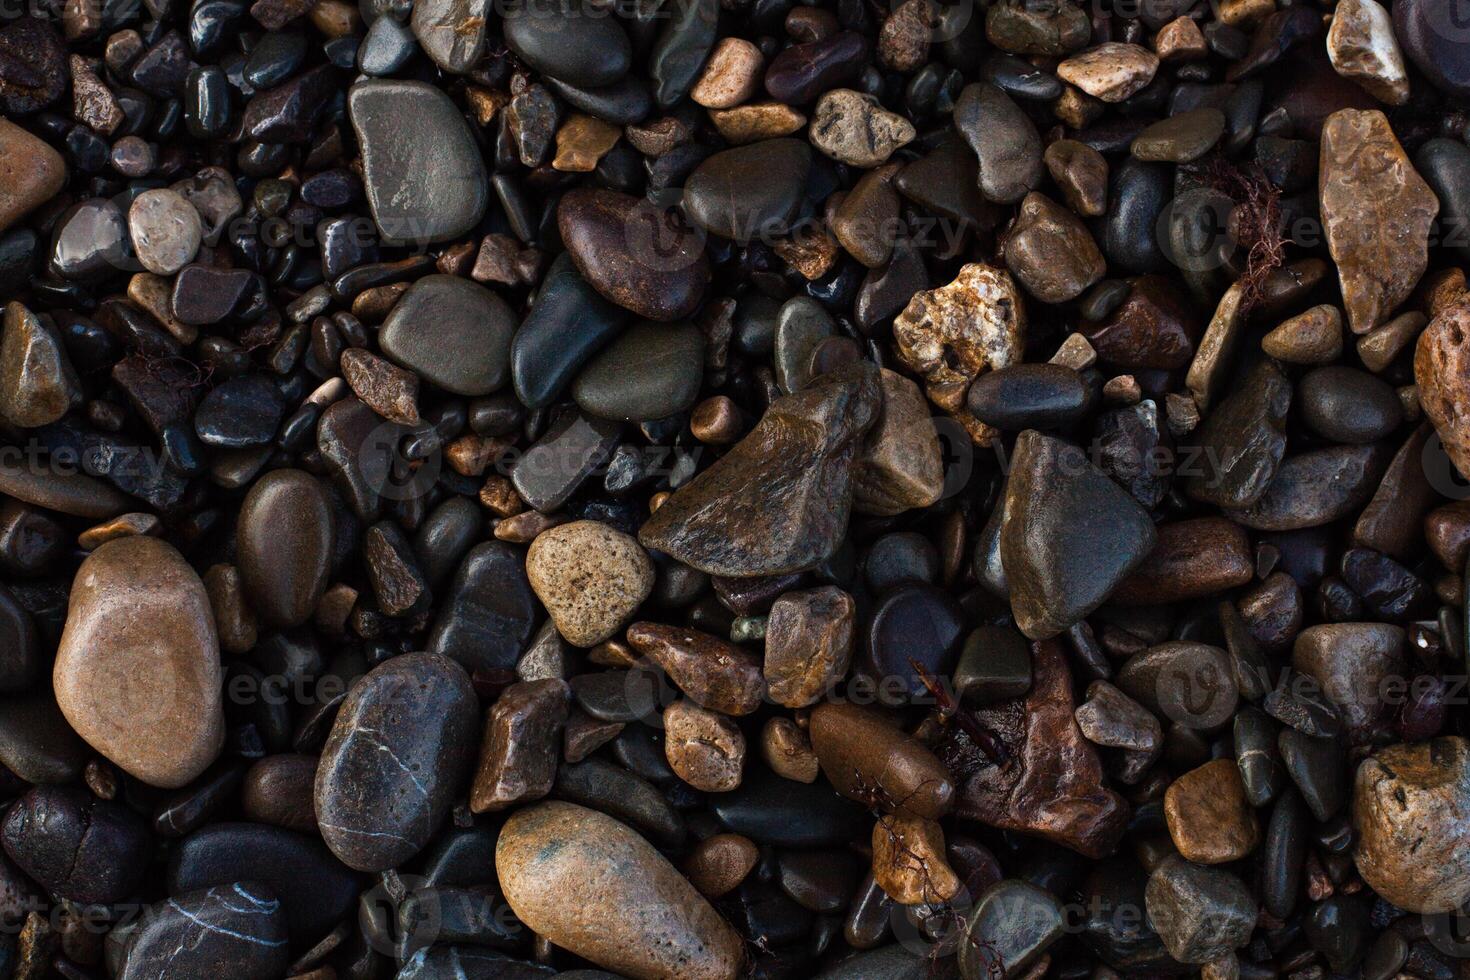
(590,577)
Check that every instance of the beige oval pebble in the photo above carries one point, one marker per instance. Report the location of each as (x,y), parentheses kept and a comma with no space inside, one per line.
(166,231)
(590,578)
(595,887)
(138,668)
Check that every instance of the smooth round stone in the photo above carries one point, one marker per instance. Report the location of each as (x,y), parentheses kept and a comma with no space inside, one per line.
(568,323)
(652,371)
(1029,396)
(1338,928)
(872,761)
(633,253)
(1409,805)
(1005,140)
(1019,78)
(568,41)
(641,917)
(452,332)
(422,171)
(903,556)
(277,791)
(76,846)
(138,669)
(452,32)
(913,622)
(91,242)
(1445,166)
(1140,192)
(1012,925)
(1315,766)
(240,413)
(284,542)
(802,324)
(821,881)
(1344,404)
(749,192)
(490,612)
(590,577)
(802,72)
(1433,35)
(316,890)
(388,47)
(1180,139)
(1187,683)
(276,57)
(235,930)
(420,711)
(1317,487)
(770,809)
(166,231)
(607,788)
(36,743)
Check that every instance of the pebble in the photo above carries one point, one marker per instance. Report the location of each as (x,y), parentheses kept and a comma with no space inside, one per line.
(750,191)
(704,748)
(420,711)
(786,749)
(756,122)
(1050,251)
(1346,405)
(855,129)
(545,355)
(1029,396)
(663,278)
(166,231)
(404,166)
(137,671)
(590,577)
(38,384)
(1052,786)
(1442,371)
(1052,487)
(235,930)
(278,790)
(518,753)
(1316,488)
(906,35)
(732,75)
(568,43)
(908,861)
(1377,213)
(1111,71)
(716,865)
(1362,46)
(1313,337)
(549,473)
(867,222)
(490,610)
(1244,440)
(913,623)
(34,173)
(785,475)
(652,371)
(582,141)
(1112,719)
(808,644)
(716,674)
(453,333)
(1011,927)
(1027,29)
(1209,818)
(900,466)
(1200,913)
(773,810)
(75,846)
(1185,682)
(952,334)
(1182,138)
(1138,199)
(1004,139)
(1409,802)
(645,923)
(284,542)
(1082,174)
(681,50)
(451,32)
(870,760)
(1433,43)
(1192,559)
(994,666)
(802,72)
(90,241)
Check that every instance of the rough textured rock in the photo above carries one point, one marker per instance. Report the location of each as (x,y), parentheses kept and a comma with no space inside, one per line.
(1377,213)
(138,670)
(952,334)
(1362,46)
(855,129)
(1411,804)
(715,673)
(638,915)
(1110,72)
(779,500)
(1051,786)
(1051,251)
(590,577)
(809,636)
(1442,370)
(901,464)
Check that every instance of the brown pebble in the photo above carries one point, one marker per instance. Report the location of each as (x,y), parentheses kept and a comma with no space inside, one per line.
(582,141)
(788,751)
(715,673)
(520,748)
(278,791)
(31,173)
(119,527)
(870,760)
(909,862)
(386,388)
(1191,559)
(233,617)
(731,75)
(1313,337)
(755,122)
(716,421)
(706,749)
(717,864)
(809,637)
(1209,817)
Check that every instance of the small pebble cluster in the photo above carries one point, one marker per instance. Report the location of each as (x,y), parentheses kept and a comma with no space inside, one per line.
(714,489)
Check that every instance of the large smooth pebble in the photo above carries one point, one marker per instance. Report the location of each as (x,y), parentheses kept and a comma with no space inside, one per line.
(452,332)
(283,543)
(398,757)
(633,912)
(138,669)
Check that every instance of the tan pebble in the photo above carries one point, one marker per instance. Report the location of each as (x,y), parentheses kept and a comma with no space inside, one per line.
(590,578)
(1313,337)
(731,76)
(717,864)
(1208,815)
(1111,71)
(704,748)
(755,122)
(909,863)
(235,620)
(788,751)
(582,141)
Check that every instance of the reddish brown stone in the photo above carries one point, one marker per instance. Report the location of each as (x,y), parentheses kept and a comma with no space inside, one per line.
(1442,370)
(704,748)
(520,750)
(717,864)
(1155,327)
(1051,784)
(716,674)
(1209,817)
(870,760)
(808,644)
(1448,530)
(1192,559)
